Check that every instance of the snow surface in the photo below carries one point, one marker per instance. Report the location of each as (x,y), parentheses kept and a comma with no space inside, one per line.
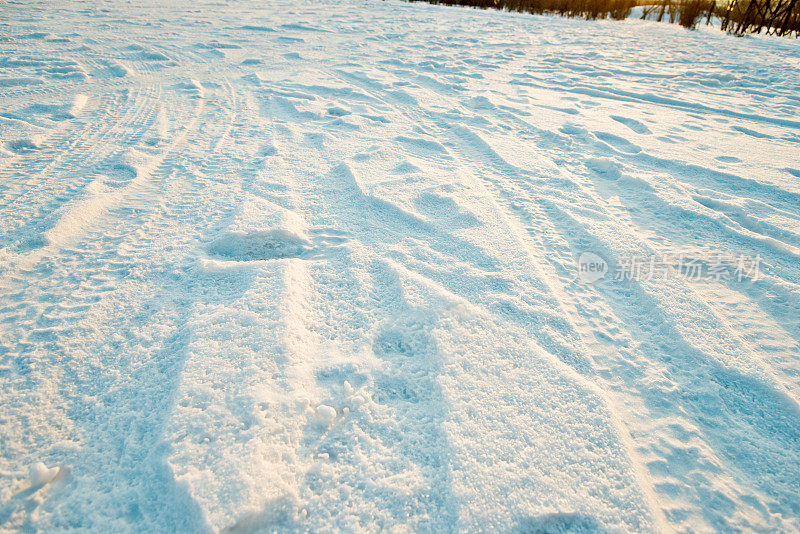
(312,266)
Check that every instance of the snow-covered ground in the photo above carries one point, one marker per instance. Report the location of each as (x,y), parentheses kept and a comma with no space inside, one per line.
(315,266)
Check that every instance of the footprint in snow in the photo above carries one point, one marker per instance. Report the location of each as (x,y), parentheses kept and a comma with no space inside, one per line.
(557,523)
(20,146)
(273,245)
(633,124)
(617,143)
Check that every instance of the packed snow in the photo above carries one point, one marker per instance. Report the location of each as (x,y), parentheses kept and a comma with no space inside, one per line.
(358,265)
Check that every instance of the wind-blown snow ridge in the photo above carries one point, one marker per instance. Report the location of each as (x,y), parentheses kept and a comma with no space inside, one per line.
(313,266)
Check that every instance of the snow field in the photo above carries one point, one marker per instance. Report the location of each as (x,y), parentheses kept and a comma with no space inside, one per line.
(312,266)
